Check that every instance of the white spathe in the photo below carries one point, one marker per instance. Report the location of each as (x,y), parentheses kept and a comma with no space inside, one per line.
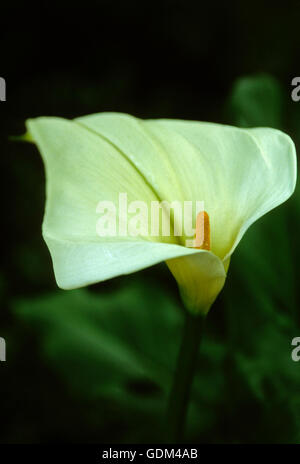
(240,174)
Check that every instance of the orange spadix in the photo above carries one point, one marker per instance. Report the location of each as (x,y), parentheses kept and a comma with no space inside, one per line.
(202,239)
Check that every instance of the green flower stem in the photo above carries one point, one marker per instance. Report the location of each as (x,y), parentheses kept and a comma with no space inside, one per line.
(183,378)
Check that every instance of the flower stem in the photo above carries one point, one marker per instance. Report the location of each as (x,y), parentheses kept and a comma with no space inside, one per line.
(183,377)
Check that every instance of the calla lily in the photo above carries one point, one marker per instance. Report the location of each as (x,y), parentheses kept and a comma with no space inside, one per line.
(240,174)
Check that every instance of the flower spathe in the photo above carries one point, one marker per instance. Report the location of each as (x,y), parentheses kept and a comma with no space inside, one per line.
(240,174)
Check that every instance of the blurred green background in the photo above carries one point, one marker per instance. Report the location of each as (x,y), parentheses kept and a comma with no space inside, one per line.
(95,365)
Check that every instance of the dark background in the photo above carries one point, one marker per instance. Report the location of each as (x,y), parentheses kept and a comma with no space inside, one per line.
(95,365)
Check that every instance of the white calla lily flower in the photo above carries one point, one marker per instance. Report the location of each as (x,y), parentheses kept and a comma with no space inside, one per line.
(239,174)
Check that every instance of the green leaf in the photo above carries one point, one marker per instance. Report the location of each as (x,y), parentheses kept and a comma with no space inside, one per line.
(256,101)
(118,349)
